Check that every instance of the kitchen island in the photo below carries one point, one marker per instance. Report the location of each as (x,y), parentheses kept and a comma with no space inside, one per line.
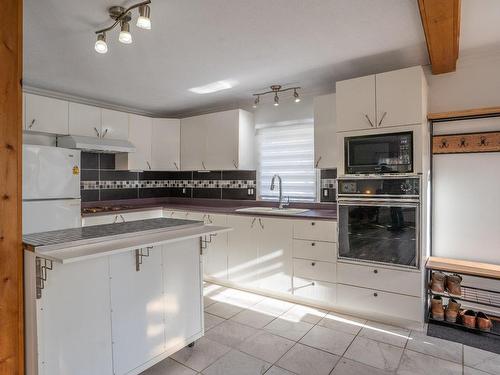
(114,298)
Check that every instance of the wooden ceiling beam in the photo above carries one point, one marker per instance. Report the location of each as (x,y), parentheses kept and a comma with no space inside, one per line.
(441,23)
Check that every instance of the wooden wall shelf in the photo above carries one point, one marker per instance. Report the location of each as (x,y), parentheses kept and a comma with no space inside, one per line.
(465,114)
(466,143)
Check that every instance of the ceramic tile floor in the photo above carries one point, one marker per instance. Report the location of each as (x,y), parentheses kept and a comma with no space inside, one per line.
(247,334)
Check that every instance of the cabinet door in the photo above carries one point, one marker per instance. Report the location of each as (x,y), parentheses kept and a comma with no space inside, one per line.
(99,219)
(140,133)
(400,97)
(222,126)
(182,283)
(46,115)
(74,319)
(356,102)
(193,133)
(114,124)
(84,120)
(243,246)
(325,132)
(215,256)
(275,254)
(165,144)
(137,309)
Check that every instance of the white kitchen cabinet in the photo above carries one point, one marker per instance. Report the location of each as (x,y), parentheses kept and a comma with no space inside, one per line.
(115,124)
(321,292)
(388,99)
(356,104)
(201,146)
(84,120)
(165,144)
(316,230)
(315,250)
(46,115)
(137,309)
(140,134)
(99,219)
(399,97)
(325,131)
(74,320)
(121,217)
(182,283)
(216,255)
(275,254)
(243,252)
(315,270)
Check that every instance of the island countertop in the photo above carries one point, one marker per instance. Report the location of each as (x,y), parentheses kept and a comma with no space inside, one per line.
(70,245)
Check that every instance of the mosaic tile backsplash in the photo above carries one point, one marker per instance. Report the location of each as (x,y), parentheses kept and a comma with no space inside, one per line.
(101,182)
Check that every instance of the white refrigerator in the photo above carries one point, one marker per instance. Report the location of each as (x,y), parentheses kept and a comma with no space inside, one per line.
(51,188)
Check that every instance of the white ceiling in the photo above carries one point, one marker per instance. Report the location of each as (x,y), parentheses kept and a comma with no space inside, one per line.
(256,43)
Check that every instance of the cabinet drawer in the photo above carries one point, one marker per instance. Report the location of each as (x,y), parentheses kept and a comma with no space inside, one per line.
(141,215)
(315,230)
(314,270)
(370,301)
(404,282)
(315,290)
(316,250)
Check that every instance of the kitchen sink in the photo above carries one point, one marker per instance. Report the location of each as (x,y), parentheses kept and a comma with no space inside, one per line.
(272,210)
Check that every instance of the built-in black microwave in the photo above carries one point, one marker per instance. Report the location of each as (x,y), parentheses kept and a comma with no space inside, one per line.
(379,153)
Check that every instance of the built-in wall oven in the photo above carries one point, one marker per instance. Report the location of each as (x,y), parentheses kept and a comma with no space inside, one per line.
(379,220)
(379,153)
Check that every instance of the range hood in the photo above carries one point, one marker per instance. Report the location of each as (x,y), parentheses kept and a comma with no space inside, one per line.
(102,145)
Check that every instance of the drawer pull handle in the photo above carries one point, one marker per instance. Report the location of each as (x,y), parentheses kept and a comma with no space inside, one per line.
(313,223)
(375,271)
(313,264)
(375,294)
(313,244)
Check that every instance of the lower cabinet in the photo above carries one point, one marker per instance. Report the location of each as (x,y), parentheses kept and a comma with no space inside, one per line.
(216,254)
(136,309)
(316,291)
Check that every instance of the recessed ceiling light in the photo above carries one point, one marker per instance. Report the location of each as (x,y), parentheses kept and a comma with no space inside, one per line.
(212,87)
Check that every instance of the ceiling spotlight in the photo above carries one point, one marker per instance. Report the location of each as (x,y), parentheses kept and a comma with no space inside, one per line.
(256,102)
(100,44)
(296,96)
(276,100)
(125,37)
(144,20)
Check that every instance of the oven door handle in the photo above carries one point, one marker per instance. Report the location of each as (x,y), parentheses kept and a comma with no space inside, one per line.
(378,202)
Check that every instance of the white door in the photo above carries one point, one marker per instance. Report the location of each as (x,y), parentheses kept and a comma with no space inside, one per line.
(182,282)
(46,115)
(46,215)
(193,143)
(356,104)
(84,120)
(400,97)
(140,133)
(243,254)
(325,132)
(165,144)
(222,131)
(275,254)
(215,256)
(114,124)
(50,172)
(137,309)
(74,319)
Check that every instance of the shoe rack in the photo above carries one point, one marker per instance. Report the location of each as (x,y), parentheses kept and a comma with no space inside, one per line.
(478,297)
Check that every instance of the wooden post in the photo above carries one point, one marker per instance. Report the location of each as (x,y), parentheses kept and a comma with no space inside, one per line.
(11,253)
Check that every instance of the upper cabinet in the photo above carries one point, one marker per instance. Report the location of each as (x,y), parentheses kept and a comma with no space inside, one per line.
(383,100)
(45,115)
(222,140)
(156,142)
(114,124)
(325,129)
(98,122)
(165,144)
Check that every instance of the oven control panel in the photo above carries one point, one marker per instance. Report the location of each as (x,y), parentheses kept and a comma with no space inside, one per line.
(366,187)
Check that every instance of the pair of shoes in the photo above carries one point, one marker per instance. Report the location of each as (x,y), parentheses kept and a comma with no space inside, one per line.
(479,320)
(451,283)
(439,312)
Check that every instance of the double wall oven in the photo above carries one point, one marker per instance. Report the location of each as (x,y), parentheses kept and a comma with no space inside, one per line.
(378,201)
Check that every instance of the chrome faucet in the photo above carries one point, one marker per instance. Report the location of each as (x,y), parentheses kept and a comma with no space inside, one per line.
(281,204)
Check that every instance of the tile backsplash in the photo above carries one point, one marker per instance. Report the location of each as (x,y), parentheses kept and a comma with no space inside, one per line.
(100,182)
(328,185)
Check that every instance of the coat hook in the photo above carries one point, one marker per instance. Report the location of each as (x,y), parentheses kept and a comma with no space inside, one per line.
(463,142)
(444,143)
(482,141)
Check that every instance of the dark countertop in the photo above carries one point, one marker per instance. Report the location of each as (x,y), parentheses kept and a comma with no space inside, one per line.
(317,211)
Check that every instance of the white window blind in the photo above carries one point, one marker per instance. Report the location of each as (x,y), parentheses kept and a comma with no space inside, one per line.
(287,150)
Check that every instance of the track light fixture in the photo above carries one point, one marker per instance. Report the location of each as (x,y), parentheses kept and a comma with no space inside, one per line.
(123,17)
(275,89)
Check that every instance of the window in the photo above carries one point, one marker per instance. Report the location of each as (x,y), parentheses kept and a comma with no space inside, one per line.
(287,150)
